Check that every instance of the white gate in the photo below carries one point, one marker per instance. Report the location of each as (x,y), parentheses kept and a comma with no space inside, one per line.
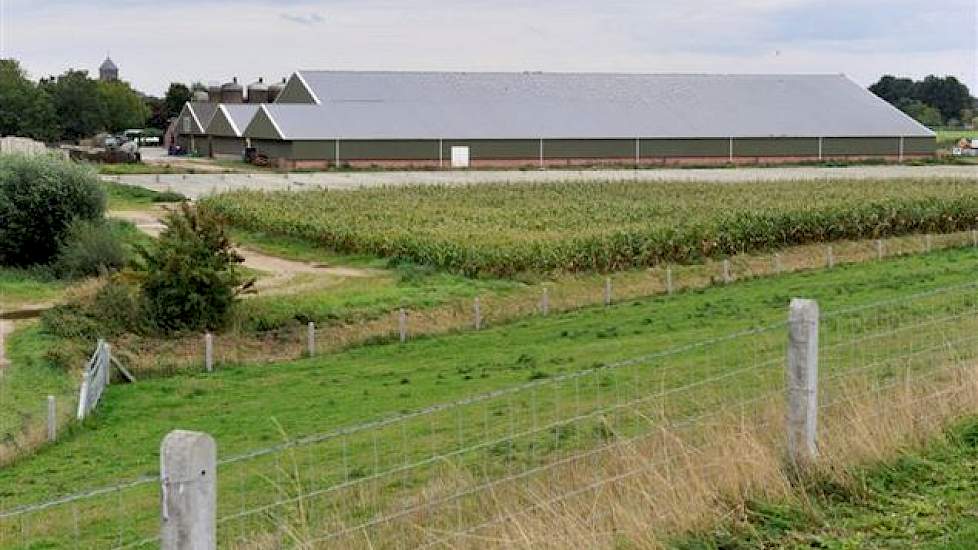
(96,378)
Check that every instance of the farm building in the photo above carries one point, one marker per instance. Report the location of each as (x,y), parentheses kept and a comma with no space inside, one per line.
(226,127)
(324,118)
(190,126)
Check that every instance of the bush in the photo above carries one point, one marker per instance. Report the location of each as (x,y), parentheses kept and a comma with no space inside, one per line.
(40,197)
(114,309)
(190,277)
(91,248)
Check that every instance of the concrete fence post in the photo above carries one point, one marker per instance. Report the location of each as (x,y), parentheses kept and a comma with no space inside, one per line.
(402,324)
(188,491)
(727,277)
(928,242)
(974,238)
(607,291)
(776,260)
(209,352)
(879,249)
(802,379)
(311,338)
(545,302)
(668,280)
(478,313)
(829,257)
(52,418)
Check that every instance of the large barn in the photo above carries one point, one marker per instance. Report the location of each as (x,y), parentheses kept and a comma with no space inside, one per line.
(442,119)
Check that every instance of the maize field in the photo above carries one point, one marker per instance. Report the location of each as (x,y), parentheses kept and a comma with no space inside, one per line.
(508,229)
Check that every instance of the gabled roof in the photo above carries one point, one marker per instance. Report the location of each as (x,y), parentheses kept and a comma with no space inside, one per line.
(200,113)
(426,105)
(231,119)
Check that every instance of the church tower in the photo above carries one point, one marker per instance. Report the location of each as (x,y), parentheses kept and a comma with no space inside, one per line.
(108,71)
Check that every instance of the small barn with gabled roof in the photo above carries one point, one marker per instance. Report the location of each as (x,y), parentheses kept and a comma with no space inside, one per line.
(226,129)
(191,127)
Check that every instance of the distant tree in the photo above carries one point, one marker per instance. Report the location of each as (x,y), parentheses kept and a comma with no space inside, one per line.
(78,103)
(122,106)
(946,94)
(157,115)
(893,89)
(949,95)
(921,112)
(176,95)
(25,109)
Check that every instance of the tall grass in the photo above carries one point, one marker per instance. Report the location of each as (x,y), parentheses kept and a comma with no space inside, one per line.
(649,491)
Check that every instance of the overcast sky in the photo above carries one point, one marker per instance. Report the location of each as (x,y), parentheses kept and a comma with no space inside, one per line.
(155,42)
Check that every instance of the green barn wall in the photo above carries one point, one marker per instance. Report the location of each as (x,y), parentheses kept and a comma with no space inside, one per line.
(220,125)
(654,148)
(588,148)
(274,149)
(920,145)
(860,146)
(775,147)
(529,149)
(223,145)
(498,149)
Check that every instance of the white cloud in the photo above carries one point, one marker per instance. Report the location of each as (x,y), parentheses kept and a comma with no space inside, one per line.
(180,40)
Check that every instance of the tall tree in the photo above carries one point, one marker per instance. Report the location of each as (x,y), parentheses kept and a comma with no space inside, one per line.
(78,103)
(893,89)
(948,95)
(176,95)
(25,109)
(123,107)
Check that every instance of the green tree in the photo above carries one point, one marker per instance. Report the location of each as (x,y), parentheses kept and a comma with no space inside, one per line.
(190,276)
(893,89)
(176,96)
(123,108)
(921,112)
(40,198)
(949,95)
(25,109)
(78,103)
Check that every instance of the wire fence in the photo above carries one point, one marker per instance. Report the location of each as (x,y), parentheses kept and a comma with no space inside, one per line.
(151,357)
(449,474)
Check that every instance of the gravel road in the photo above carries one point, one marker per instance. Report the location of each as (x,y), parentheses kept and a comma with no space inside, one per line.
(196,185)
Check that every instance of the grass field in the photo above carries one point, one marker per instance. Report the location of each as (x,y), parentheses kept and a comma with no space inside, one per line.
(948,138)
(922,499)
(24,391)
(506,230)
(246,407)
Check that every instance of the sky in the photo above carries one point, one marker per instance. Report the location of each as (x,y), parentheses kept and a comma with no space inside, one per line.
(157,42)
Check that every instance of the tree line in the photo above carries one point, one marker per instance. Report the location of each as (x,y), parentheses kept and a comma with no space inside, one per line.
(73,105)
(933,101)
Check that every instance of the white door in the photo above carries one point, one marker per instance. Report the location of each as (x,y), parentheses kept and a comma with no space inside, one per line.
(460,157)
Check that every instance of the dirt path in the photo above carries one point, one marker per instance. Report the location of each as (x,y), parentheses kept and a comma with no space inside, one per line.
(277,272)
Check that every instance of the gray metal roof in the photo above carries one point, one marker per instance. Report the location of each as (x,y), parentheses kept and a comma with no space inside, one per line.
(430,105)
(239,115)
(202,112)
(108,65)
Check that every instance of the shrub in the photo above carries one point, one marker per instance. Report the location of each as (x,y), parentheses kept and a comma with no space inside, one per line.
(91,248)
(114,309)
(39,199)
(190,276)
